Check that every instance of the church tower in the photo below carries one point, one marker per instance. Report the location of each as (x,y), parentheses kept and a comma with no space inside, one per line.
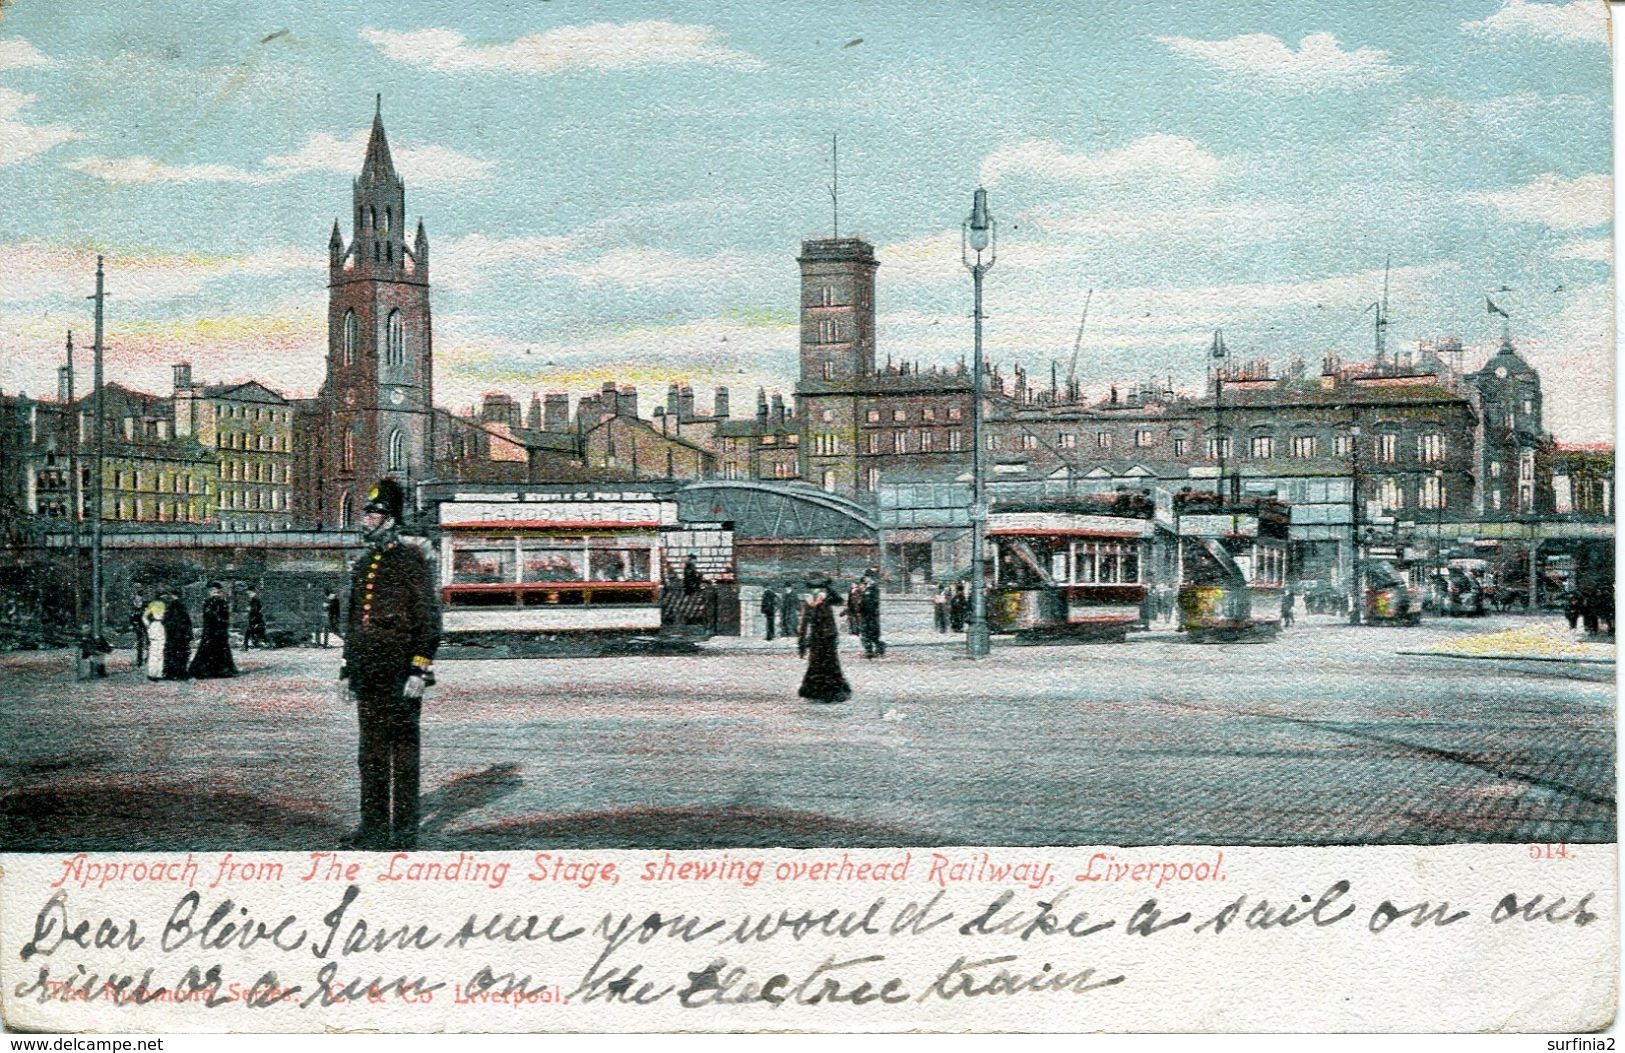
(379,391)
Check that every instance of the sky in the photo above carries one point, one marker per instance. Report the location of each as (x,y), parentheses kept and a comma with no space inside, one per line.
(617,191)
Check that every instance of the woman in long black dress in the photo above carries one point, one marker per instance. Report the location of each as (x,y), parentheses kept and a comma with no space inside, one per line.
(177,638)
(213,659)
(819,639)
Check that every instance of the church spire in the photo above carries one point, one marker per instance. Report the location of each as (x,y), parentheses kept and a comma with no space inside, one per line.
(378,167)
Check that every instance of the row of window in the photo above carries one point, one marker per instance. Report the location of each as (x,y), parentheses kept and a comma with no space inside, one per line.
(242,440)
(255,472)
(229,411)
(898,416)
(1431,493)
(394,339)
(161,482)
(918,440)
(255,500)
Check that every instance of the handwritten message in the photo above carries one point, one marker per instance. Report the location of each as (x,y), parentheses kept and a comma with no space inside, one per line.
(878,939)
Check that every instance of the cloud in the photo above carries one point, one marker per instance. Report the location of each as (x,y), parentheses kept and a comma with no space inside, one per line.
(468,262)
(41,272)
(637,268)
(1599,249)
(1173,156)
(739,352)
(17,53)
(1265,61)
(20,141)
(420,166)
(1569,204)
(221,347)
(1582,21)
(140,169)
(598,46)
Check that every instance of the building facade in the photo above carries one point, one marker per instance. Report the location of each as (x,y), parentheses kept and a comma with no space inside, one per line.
(250,428)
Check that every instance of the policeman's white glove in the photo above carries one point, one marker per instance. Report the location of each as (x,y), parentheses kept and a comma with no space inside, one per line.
(414,687)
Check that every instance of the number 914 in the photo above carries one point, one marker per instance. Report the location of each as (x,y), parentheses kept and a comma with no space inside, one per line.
(1550,851)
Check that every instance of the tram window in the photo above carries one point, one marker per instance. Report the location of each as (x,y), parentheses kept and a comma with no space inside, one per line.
(554,559)
(1131,567)
(1108,568)
(613,560)
(482,561)
(1057,565)
(1083,566)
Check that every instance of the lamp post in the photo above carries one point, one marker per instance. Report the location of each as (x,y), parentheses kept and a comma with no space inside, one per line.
(1356,593)
(978,251)
(98,663)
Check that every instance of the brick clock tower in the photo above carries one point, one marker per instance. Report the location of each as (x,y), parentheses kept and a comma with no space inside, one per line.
(837,355)
(377,400)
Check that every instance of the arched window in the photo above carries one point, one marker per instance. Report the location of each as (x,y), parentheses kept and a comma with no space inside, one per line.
(344,511)
(389,216)
(397,451)
(349,451)
(372,214)
(395,347)
(352,337)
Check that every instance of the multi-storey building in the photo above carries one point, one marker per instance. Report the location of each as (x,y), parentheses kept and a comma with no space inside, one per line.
(251,429)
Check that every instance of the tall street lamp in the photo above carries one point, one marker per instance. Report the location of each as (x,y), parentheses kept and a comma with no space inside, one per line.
(1356,592)
(978,251)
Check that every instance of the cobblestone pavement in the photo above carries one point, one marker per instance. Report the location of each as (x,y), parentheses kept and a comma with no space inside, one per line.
(1324,735)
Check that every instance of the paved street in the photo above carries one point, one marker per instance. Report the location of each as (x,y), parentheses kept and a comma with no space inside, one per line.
(1325,735)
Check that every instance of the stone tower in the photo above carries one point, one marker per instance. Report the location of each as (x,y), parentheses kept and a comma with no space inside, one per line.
(379,391)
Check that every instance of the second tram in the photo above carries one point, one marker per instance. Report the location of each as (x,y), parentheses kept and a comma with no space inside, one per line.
(1075,566)
(1233,564)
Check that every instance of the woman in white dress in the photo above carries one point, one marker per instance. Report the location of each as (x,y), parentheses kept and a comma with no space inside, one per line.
(154,618)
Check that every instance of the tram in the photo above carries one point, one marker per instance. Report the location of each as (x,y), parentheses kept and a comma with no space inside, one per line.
(1233,562)
(1071,567)
(575,564)
(1388,598)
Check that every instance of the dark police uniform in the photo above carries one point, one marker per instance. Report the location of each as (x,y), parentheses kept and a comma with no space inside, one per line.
(393,631)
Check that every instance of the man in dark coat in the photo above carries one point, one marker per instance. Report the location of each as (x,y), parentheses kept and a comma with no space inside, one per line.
(869,616)
(138,625)
(956,608)
(213,658)
(770,608)
(254,635)
(790,611)
(332,608)
(818,641)
(389,647)
(177,637)
(691,575)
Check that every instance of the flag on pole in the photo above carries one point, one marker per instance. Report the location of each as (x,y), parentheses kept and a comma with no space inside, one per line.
(1494,309)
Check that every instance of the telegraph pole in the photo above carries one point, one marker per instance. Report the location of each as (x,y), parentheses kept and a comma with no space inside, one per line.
(98,663)
(70,422)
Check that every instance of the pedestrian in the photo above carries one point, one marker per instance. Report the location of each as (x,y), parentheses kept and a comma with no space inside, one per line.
(254,634)
(389,648)
(691,574)
(770,608)
(854,606)
(153,622)
(213,659)
(790,611)
(818,642)
(332,607)
(956,608)
(1571,607)
(869,616)
(138,626)
(1288,602)
(939,609)
(177,622)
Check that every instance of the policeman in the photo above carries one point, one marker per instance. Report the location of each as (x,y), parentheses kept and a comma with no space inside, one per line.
(393,631)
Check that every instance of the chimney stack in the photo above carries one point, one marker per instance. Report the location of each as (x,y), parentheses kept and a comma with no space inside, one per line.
(719,406)
(778,406)
(627,404)
(761,404)
(62,384)
(183,376)
(685,404)
(556,412)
